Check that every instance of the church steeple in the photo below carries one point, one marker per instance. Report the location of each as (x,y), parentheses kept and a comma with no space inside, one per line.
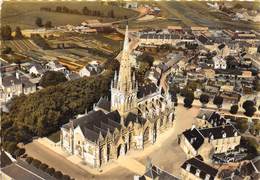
(124,79)
(123,87)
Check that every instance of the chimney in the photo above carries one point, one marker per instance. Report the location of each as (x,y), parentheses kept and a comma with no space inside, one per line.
(17,75)
(188,167)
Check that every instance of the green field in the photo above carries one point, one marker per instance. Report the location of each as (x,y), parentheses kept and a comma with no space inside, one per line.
(196,14)
(23,14)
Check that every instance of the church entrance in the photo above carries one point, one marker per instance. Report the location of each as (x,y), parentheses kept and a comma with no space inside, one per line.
(108,152)
(118,150)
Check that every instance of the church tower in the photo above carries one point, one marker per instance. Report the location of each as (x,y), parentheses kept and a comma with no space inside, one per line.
(124,86)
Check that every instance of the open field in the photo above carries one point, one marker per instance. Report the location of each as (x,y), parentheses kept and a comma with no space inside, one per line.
(23,14)
(20,45)
(195,14)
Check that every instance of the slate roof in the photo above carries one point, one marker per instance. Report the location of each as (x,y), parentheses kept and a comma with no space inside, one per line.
(159,36)
(217,132)
(212,117)
(197,164)
(131,117)
(95,123)
(26,82)
(21,170)
(194,137)
(156,173)
(146,89)
(10,80)
(104,104)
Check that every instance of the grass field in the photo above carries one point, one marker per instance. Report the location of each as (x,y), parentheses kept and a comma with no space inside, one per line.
(196,13)
(23,14)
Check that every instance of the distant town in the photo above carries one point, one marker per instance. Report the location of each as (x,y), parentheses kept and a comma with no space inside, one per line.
(130,90)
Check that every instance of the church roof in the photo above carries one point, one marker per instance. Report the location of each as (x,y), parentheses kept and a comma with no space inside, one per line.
(146,89)
(96,122)
(131,117)
(104,104)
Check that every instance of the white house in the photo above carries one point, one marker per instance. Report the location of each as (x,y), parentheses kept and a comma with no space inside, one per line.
(90,69)
(55,66)
(219,62)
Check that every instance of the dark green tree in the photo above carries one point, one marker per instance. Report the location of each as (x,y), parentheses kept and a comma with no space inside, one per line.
(204,99)
(48,24)
(233,109)
(6,32)
(18,33)
(38,22)
(218,100)
(51,78)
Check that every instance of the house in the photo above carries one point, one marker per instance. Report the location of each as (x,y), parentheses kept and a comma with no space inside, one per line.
(93,68)
(155,173)
(5,159)
(15,85)
(195,168)
(21,170)
(55,66)
(36,70)
(219,62)
(208,141)
(210,118)
(131,5)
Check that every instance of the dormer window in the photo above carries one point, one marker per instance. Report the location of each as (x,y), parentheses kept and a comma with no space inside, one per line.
(197,172)
(188,167)
(224,135)
(207,177)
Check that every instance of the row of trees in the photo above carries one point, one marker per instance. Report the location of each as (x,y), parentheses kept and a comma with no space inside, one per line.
(248,105)
(6,33)
(44,167)
(85,11)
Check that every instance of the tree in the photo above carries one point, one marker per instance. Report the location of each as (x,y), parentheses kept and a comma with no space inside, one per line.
(111,14)
(50,171)
(51,78)
(18,152)
(204,99)
(218,100)
(234,109)
(18,33)
(7,50)
(188,100)
(43,166)
(48,24)
(250,111)
(58,174)
(11,147)
(38,21)
(29,160)
(247,104)
(36,163)
(6,32)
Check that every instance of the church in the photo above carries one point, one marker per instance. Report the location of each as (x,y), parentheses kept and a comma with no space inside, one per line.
(134,117)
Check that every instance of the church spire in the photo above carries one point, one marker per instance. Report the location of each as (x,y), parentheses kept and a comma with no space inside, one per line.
(124,79)
(124,91)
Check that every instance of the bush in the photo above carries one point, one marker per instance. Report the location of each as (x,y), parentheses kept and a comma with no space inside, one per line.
(36,163)
(234,109)
(29,160)
(66,177)
(18,152)
(50,171)
(58,175)
(43,166)
(11,147)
